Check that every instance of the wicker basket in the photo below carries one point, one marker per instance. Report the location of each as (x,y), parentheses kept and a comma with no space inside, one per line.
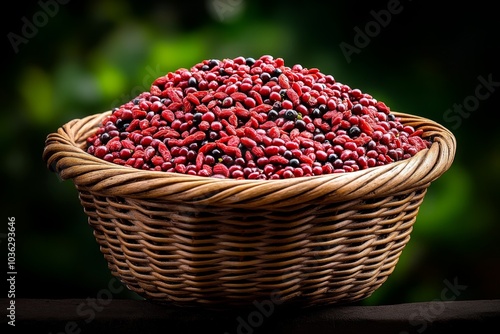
(218,243)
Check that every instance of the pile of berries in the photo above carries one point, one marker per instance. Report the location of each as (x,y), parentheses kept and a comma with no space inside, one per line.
(247,118)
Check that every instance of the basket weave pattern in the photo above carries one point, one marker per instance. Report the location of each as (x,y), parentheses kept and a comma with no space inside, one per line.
(200,241)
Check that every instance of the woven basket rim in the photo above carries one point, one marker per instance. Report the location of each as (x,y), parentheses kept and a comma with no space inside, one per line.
(64,154)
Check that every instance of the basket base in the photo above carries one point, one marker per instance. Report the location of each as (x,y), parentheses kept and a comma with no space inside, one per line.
(204,257)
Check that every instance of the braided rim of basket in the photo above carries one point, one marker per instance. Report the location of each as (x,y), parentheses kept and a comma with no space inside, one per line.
(65,154)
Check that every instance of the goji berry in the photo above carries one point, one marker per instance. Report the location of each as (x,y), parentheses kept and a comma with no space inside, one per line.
(253,118)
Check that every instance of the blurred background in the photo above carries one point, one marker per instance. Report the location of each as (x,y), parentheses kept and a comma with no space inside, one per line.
(68,59)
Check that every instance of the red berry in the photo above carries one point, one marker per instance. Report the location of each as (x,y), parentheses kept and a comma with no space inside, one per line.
(253,118)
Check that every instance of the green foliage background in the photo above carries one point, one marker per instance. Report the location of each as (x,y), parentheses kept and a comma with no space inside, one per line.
(90,57)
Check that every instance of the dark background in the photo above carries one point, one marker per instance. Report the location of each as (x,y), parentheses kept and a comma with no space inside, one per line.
(83,59)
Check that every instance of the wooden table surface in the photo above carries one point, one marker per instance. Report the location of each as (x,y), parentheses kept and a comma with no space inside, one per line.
(74,316)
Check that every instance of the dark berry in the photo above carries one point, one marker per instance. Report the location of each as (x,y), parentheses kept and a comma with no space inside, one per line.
(192,82)
(354,131)
(212,63)
(287,155)
(357,109)
(265,77)
(332,157)
(277,72)
(300,124)
(316,113)
(272,115)
(283,93)
(250,61)
(216,153)
(290,114)
(197,117)
(105,137)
